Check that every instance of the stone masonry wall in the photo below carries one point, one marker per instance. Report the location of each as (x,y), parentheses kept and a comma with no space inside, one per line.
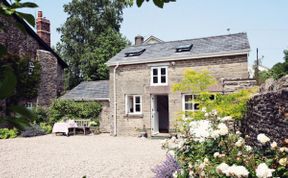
(267,113)
(24,45)
(105,123)
(135,80)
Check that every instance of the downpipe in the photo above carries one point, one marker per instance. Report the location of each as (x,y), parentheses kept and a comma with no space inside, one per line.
(115,101)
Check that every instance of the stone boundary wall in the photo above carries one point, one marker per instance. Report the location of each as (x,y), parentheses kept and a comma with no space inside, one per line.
(267,113)
(231,85)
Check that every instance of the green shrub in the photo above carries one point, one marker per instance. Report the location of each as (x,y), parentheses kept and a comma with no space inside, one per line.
(45,127)
(41,115)
(8,133)
(67,109)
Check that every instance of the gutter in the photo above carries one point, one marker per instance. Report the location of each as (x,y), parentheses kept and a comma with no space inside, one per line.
(115,101)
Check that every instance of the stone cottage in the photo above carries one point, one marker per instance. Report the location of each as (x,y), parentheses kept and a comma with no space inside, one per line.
(141,77)
(36,46)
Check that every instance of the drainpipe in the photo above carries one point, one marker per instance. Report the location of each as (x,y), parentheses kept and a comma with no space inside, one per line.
(115,101)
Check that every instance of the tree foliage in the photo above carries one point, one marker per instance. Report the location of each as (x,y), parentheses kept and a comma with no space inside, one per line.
(158,3)
(194,82)
(90,36)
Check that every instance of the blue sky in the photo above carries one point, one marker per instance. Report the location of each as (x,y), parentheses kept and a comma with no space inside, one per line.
(265,22)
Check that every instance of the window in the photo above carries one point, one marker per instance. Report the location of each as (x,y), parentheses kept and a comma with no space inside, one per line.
(184,48)
(134,53)
(29,105)
(159,75)
(133,104)
(191,104)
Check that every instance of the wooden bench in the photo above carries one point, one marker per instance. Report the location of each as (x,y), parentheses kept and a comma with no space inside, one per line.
(82,124)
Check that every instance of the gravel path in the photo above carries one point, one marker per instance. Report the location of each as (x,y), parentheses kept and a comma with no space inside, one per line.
(76,156)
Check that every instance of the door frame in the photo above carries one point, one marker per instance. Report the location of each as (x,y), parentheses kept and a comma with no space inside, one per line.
(154,115)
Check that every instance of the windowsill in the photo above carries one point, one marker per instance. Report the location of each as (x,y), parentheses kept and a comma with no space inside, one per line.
(157,85)
(140,115)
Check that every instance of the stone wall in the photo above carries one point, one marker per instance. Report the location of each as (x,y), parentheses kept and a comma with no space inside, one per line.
(135,80)
(230,85)
(105,123)
(267,113)
(24,44)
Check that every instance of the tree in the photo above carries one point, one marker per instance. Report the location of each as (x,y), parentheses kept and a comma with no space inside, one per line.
(158,3)
(194,82)
(90,37)
(280,69)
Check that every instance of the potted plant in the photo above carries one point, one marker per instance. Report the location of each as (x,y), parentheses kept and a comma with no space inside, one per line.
(94,127)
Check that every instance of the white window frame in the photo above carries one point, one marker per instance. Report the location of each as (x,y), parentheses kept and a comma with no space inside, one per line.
(193,102)
(159,76)
(134,104)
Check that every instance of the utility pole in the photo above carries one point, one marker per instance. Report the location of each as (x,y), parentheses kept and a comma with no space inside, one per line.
(256,70)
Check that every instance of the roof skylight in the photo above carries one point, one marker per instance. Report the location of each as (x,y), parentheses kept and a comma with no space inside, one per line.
(184,48)
(134,53)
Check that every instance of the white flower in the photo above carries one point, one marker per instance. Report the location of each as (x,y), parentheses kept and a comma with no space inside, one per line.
(200,130)
(175,174)
(283,149)
(283,161)
(171,152)
(238,133)
(216,154)
(206,114)
(223,129)
(204,109)
(202,166)
(248,148)
(226,118)
(215,134)
(214,112)
(240,142)
(222,168)
(273,145)
(262,138)
(263,171)
(239,153)
(206,160)
(238,171)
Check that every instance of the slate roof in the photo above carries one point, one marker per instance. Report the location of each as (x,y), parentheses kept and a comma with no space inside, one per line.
(89,91)
(202,47)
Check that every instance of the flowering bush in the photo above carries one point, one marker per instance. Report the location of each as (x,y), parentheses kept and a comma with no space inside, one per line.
(167,168)
(207,148)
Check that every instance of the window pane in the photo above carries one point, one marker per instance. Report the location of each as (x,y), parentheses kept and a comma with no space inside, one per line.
(137,98)
(188,98)
(130,104)
(163,79)
(196,97)
(188,106)
(138,108)
(155,71)
(196,106)
(163,71)
(155,79)
(212,97)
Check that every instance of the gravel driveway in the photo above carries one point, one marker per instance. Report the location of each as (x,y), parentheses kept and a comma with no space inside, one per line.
(76,156)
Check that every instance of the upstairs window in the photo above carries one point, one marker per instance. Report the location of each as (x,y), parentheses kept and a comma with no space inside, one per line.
(159,75)
(135,53)
(133,104)
(184,48)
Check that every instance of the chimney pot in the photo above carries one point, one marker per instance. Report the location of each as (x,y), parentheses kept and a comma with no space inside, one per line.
(139,40)
(43,28)
(40,14)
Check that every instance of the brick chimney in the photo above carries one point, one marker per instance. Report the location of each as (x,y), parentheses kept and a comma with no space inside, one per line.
(139,40)
(43,28)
